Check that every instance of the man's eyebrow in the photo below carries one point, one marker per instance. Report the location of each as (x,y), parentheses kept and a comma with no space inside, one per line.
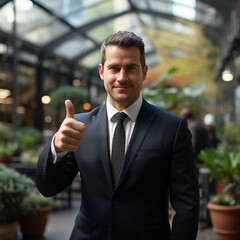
(132,65)
(112,65)
(117,65)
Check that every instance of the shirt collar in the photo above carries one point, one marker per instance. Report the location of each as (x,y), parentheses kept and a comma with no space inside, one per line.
(132,110)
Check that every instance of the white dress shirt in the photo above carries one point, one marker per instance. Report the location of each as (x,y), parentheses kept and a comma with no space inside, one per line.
(129,123)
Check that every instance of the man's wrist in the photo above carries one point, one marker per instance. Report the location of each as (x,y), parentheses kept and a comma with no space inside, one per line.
(56,154)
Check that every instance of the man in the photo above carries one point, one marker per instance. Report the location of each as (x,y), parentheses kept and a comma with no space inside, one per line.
(158,165)
(198,132)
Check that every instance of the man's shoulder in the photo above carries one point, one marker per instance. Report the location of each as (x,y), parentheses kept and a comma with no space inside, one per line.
(94,112)
(161,113)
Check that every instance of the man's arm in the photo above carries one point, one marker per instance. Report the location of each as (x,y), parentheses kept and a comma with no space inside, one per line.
(184,190)
(54,176)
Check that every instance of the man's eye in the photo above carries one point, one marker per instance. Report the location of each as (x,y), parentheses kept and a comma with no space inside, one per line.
(113,68)
(131,68)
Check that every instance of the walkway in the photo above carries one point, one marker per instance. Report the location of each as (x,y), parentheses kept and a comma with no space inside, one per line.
(60,224)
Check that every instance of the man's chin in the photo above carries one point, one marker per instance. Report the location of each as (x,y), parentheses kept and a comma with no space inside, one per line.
(121,100)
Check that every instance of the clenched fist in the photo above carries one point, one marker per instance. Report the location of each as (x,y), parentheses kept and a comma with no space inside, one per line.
(70,133)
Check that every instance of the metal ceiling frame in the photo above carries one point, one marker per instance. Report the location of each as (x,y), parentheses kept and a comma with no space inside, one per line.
(223,6)
(48,48)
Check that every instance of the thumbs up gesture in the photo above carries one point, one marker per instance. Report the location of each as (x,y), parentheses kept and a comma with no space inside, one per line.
(70,133)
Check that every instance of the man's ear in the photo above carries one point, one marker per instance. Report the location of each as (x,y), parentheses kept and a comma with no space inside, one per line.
(145,69)
(100,71)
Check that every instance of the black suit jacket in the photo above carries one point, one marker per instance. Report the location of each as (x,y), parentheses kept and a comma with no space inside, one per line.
(159,164)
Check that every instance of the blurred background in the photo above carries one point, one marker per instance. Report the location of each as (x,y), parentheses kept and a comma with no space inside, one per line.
(49,52)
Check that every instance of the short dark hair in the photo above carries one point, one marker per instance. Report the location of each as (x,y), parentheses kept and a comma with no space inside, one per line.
(124,39)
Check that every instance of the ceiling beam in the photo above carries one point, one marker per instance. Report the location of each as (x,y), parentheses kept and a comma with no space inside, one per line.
(3,2)
(222,6)
(47,49)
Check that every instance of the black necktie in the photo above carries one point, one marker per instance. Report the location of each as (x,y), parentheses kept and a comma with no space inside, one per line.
(118,146)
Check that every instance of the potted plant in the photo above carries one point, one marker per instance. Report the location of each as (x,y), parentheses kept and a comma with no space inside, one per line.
(34,217)
(13,188)
(8,143)
(30,140)
(7,150)
(28,137)
(223,164)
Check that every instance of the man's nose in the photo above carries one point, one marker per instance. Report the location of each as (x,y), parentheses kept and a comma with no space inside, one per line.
(122,75)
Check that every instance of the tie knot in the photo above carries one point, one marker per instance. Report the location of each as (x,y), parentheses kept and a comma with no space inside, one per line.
(120,116)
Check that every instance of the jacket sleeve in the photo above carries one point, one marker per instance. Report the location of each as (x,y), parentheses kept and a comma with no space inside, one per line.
(52,178)
(184,190)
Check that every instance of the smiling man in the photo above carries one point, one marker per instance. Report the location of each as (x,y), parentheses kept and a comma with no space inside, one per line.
(133,158)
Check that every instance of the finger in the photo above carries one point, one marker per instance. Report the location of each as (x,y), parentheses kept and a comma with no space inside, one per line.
(69,109)
(79,126)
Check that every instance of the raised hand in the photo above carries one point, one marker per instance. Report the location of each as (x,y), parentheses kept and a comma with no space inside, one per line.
(70,133)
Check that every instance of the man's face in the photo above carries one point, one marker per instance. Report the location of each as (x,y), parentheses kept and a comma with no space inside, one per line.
(123,75)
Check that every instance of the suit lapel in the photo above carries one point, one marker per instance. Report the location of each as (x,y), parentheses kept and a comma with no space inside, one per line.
(143,123)
(100,122)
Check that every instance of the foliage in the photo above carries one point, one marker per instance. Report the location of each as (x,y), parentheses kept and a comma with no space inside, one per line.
(31,155)
(231,133)
(195,60)
(8,143)
(224,165)
(7,149)
(13,188)
(224,198)
(162,94)
(28,137)
(6,133)
(35,201)
(59,95)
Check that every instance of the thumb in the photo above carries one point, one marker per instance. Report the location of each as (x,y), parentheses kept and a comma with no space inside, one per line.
(69,109)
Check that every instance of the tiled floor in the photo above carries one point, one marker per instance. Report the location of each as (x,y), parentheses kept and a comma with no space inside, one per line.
(60,224)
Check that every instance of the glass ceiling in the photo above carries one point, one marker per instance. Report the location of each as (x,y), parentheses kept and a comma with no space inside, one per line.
(74,30)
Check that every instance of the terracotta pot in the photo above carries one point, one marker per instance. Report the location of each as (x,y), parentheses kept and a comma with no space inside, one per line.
(8,231)
(225,221)
(5,159)
(33,224)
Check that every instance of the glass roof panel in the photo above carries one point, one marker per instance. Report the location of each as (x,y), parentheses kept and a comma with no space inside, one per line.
(128,22)
(68,7)
(100,32)
(61,7)
(6,17)
(174,26)
(46,33)
(187,9)
(91,60)
(73,47)
(147,19)
(78,12)
(184,9)
(90,13)
(33,23)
